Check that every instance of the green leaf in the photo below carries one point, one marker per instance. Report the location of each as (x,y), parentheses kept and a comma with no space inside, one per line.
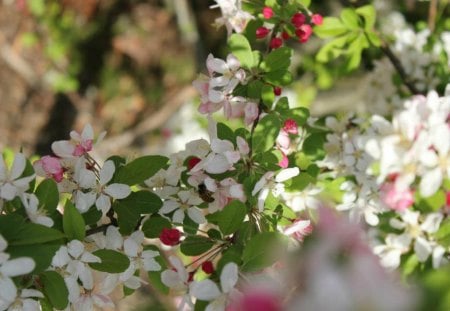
(410,265)
(265,133)
(231,217)
(54,289)
(369,14)
(154,225)
(30,234)
(279,77)
(278,59)
(240,47)
(373,38)
(443,234)
(300,115)
(140,169)
(73,223)
(350,18)
(130,209)
(195,245)
(262,250)
(331,49)
(254,89)
(224,132)
(111,261)
(267,95)
(330,27)
(48,195)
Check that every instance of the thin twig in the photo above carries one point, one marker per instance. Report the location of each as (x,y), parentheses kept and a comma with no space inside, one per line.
(432,13)
(399,67)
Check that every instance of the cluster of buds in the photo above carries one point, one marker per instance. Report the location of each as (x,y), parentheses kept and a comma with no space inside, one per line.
(299,21)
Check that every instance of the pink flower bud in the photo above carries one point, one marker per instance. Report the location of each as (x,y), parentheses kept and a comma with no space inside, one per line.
(284,162)
(262,32)
(303,33)
(267,12)
(170,237)
(275,43)
(317,19)
(51,167)
(298,19)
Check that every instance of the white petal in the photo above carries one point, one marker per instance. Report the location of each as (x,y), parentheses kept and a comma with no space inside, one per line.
(63,148)
(216,64)
(150,264)
(432,222)
(107,172)
(131,248)
(287,174)
(431,181)
(220,145)
(196,215)
(88,257)
(87,280)
(103,203)
(3,243)
(229,277)
(422,248)
(204,290)
(9,290)
(216,164)
(18,166)
(61,257)
(171,279)
(169,206)
(18,266)
(438,254)
(178,216)
(75,248)
(87,133)
(8,192)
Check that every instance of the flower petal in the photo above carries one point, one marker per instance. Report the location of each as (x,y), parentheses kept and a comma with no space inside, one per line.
(204,290)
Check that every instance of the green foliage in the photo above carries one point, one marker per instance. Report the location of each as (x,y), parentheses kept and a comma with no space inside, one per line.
(48,195)
(130,209)
(240,47)
(349,35)
(73,223)
(262,250)
(54,289)
(140,169)
(111,261)
(195,245)
(231,217)
(266,133)
(154,225)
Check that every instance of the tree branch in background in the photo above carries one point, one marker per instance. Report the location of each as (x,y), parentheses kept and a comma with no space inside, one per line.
(399,68)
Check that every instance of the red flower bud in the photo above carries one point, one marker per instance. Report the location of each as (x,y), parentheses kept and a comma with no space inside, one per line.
(285,35)
(275,43)
(208,267)
(298,19)
(317,19)
(170,237)
(277,90)
(267,12)
(290,126)
(262,32)
(193,162)
(303,33)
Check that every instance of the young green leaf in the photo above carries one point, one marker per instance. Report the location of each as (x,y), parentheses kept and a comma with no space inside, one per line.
(111,261)
(195,245)
(54,289)
(140,169)
(73,223)
(240,47)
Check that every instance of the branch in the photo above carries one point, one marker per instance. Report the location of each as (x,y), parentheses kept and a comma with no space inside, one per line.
(399,67)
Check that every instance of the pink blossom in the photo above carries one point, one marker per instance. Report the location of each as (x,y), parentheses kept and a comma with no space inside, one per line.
(251,113)
(396,198)
(267,12)
(51,167)
(256,300)
(284,162)
(303,33)
(317,19)
(299,229)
